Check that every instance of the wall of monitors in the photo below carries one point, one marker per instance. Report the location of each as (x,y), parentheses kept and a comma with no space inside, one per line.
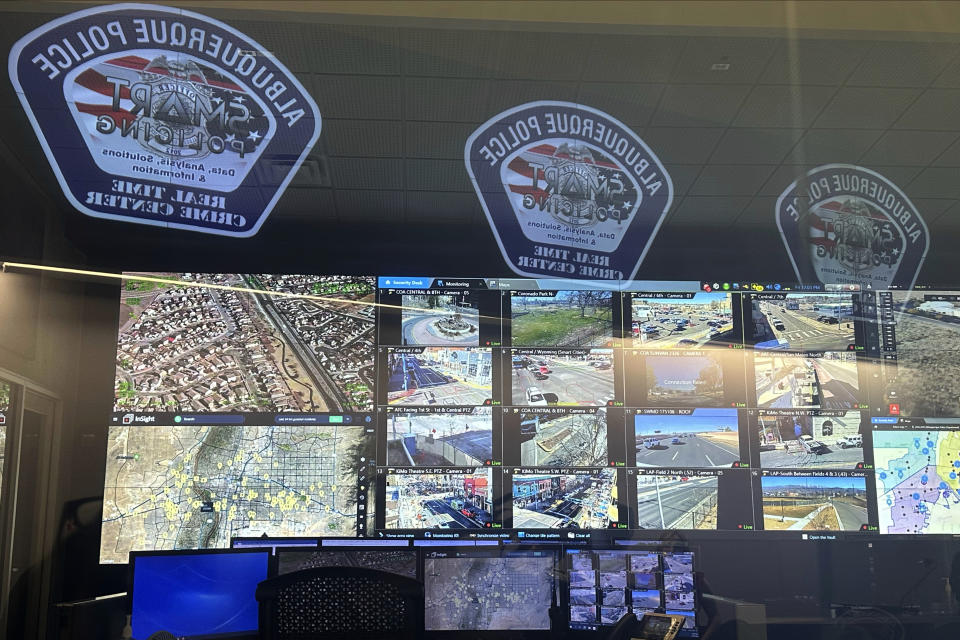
(406,407)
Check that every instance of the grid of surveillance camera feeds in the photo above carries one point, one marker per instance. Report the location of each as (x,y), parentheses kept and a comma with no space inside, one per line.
(405,407)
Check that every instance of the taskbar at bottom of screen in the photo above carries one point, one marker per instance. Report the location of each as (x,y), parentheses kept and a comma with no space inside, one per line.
(615,536)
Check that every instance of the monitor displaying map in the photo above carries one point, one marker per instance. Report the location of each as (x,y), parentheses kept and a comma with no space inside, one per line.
(196,487)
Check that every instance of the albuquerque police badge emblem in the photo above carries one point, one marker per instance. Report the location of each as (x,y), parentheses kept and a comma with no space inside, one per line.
(164,117)
(568,190)
(844,224)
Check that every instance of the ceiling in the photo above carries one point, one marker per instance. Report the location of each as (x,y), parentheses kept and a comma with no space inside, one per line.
(398,102)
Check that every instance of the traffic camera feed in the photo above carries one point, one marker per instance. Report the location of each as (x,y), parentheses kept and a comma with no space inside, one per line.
(455,499)
(424,376)
(581,500)
(676,501)
(542,377)
(674,378)
(799,501)
(827,380)
(797,439)
(803,321)
(687,438)
(681,322)
(460,436)
(561,318)
(440,320)
(570,438)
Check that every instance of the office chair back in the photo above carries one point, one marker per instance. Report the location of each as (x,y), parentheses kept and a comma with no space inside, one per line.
(340,602)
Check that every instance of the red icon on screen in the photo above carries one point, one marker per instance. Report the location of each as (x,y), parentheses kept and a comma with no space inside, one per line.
(707,288)
(894,409)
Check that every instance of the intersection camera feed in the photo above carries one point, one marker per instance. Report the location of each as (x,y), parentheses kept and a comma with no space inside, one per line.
(803,321)
(924,379)
(677,501)
(916,471)
(583,500)
(674,378)
(452,499)
(438,376)
(440,319)
(687,438)
(798,439)
(402,562)
(826,380)
(681,321)
(196,487)
(550,437)
(459,436)
(195,343)
(807,501)
(475,590)
(561,318)
(572,377)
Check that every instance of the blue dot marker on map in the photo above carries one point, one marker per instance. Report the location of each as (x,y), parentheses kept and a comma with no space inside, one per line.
(953,475)
(956,463)
(883,475)
(916,496)
(943,485)
(923,479)
(929,443)
(925,450)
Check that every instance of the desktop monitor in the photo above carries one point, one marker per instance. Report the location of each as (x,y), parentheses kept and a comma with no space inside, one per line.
(196,593)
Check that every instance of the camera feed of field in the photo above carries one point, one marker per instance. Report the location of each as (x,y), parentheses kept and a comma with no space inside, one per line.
(564,440)
(684,380)
(804,322)
(568,319)
(814,503)
(676,502)
(681,322)
(440,439)
(704,438)
(927,378)
(810,441)
(440,320)
(804,381)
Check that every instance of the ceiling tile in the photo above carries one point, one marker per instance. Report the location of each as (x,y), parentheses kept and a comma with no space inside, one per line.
(899,175)
(438,206)
(781,178)
(682,176)
(865,108)
(932,208)
(437,175)
(539,56)
(950,157)
(369,173)
(948,222)
(783,106)
(935,182)
(708,211)
(909,147)
(307,204)
(455,53)
(730,180)
(632,104)
(936,109)
(699,105)
(373,138)
(446,99)
(755,146)
(369,205)
(747,58)
(328,48)
(826,146)
(437,139)
(621,58)
(903,64)
(808,62)
(506,94)
(680,145)
(351,96)
(760,211)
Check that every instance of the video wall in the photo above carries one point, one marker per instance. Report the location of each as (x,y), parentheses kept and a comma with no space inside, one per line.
(404,407)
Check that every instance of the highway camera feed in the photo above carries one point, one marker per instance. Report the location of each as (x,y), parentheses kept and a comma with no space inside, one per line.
(192,487)
(440,320)
(814,503)
(688,439)
(561,319)
(803,322)
(186,347)
(464,438)
(488,593)
(547,501)
(439,500)
(926,377)
(563,439)
(812,380)
(676,502)
(439,376)
(681,322)
(581,377)
(805,440)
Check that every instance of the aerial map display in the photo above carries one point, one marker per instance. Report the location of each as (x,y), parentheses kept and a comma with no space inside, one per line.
(195,487)
(201,343)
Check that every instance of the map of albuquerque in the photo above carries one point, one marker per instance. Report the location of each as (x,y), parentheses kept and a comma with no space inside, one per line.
(918,488)
(188,487)
(187,347)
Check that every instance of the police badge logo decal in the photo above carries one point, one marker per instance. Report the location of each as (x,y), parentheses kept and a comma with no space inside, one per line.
(568,190)
(844,224)
(164,117)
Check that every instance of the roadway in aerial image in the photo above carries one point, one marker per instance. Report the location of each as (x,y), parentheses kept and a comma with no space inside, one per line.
(567,381)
